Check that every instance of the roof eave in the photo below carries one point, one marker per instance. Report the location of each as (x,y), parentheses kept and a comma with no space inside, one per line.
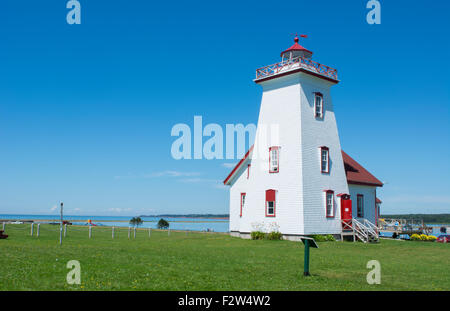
(236,168)
(353,182)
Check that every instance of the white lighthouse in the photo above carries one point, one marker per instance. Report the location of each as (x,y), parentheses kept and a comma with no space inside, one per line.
(294,179)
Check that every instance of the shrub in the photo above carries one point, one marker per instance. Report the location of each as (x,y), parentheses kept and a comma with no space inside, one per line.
(163,224)
(431,238)
(330,238)
(422,237)
(136,221)
(274,235)
(319,238)
(257,235)
(323,237)
(415,237)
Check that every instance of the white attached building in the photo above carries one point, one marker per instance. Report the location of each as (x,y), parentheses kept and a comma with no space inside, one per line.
(295,178)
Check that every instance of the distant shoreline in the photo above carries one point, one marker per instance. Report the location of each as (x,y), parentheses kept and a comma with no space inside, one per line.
(193,218)
(202,216)
(30,220)
(427,218)
(197,216)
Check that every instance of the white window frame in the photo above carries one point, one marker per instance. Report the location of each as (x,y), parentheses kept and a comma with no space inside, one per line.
(318,104)
(358,197)
(273,208)
(273,214)
(326,161)
(329,202)
(274,162)
(243,197)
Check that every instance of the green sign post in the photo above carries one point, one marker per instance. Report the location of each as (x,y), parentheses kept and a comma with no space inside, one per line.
(309,242)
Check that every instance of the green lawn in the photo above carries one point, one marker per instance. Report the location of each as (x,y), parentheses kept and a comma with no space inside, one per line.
(202,261)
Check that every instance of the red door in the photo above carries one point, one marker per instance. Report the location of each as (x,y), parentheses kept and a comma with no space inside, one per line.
(346,212)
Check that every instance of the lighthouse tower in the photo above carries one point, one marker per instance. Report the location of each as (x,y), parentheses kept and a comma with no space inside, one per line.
(292,177)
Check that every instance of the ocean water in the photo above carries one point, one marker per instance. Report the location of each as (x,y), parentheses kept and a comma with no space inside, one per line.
(176,223)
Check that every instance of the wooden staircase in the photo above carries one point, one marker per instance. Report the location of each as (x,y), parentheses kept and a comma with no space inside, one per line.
(364,230)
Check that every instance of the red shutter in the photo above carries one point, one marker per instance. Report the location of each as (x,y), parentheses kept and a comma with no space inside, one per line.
(270,195)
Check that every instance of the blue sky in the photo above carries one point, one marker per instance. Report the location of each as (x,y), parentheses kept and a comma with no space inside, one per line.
(86,110)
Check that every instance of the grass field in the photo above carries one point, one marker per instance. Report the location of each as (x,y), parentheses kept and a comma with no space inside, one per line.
(210,261)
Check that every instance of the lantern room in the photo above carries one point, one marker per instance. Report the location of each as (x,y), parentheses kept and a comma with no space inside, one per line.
(296,51)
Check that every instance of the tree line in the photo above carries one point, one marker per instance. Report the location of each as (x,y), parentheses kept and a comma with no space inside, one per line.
(427,218)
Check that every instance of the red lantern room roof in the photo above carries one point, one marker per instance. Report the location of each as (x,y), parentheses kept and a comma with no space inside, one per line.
(296,47)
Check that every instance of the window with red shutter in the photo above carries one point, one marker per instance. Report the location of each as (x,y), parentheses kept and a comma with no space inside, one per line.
(270,202)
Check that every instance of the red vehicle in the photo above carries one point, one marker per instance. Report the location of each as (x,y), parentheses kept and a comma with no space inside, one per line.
(444,238)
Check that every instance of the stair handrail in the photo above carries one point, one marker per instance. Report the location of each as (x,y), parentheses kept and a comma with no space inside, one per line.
(359,228)
(346,224)
(371,228)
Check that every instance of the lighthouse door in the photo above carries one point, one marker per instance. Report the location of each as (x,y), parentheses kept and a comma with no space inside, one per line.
(346,212)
